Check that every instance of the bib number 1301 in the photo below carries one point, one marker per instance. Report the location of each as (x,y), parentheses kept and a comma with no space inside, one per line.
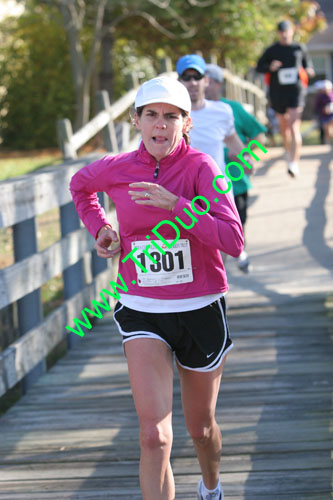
(170,267)
(163,261)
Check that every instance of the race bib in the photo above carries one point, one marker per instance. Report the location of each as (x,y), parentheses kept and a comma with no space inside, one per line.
(169,268)
(287,76)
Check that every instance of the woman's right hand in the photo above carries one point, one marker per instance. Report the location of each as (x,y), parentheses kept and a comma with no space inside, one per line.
(106,236)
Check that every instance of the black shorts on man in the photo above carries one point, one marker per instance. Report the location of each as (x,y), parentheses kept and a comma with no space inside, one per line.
(200,338)
(283,98)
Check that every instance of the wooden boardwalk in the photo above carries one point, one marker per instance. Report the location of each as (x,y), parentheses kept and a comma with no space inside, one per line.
(75,436)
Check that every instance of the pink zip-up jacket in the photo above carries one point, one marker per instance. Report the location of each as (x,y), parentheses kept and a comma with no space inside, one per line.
(186,173)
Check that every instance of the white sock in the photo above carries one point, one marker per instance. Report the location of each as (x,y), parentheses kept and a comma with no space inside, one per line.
(205,491)
(293,167)
(243,256)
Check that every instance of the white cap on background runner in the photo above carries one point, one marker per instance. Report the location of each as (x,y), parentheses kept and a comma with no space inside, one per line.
(214,72)
(163,89)
(323,84)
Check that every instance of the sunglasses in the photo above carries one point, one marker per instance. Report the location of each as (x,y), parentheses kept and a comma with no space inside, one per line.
(188,78)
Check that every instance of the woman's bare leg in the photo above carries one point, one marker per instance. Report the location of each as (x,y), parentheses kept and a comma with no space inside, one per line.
(150,366)
(199,395)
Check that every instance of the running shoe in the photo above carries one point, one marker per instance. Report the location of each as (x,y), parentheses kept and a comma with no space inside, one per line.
(211,496)
(244,263)
(293,169)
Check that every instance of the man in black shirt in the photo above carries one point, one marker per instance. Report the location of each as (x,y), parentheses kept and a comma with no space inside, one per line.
(287,66)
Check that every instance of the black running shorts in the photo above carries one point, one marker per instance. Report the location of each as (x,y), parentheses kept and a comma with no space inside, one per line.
(283,98)
(200,338)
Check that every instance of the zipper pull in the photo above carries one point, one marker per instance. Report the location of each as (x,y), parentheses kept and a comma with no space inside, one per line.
(157,170)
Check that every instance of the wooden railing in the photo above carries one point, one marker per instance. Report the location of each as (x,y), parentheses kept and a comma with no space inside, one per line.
(84,275)
(250,94)
(104,122)
(113,133)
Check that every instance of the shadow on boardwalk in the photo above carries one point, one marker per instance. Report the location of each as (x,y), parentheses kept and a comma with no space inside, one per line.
(74,435)
(286,334)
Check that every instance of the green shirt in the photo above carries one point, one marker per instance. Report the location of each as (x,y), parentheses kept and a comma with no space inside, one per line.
(247,127)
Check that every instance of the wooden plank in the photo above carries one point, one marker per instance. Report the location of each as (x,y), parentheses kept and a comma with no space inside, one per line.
(28,275)
(75,434)
(18,280)
(125,446)
(27,196)
(18,359)
(90,129)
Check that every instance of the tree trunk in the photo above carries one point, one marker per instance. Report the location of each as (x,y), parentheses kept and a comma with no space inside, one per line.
(82,105)
(106,71)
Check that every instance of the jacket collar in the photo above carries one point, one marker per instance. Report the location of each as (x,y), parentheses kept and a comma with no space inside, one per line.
(147,158)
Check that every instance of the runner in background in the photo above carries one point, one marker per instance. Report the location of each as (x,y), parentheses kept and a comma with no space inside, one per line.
(176,308)
(213,122)
(324,108)
(247,128)
(287,67)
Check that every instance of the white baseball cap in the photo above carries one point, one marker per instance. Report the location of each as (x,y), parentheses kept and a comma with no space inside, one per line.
(323,84)
(214,72)
(163,89)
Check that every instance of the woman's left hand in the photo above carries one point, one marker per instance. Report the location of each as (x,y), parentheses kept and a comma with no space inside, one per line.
(153,195)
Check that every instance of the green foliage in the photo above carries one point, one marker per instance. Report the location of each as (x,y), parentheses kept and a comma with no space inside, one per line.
(128,59)
(36,81)
(237,30)
(36,84)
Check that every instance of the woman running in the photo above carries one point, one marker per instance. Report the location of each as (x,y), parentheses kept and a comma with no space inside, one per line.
(175,217)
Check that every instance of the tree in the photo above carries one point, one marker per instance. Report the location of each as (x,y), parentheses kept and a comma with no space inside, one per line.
(111,37)
(36,87)
(238,29)
(102,16)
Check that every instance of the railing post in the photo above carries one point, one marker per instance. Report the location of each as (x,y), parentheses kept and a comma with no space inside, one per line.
(166,65)
(65,134)
(73,276)
(123,135)
(132,80)
(108,132)
(212,58)
(29,307)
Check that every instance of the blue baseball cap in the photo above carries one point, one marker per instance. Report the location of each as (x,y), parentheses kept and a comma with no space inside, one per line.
(191,61)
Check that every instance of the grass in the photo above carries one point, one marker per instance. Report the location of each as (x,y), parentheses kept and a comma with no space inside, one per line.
(6,247)
(48,228)
(52,293)
(16,164)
